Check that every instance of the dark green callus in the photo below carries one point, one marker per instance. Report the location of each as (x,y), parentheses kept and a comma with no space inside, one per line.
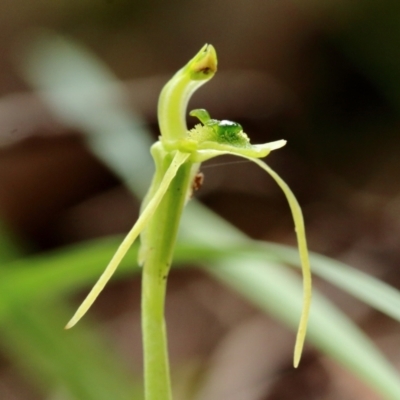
(227,132)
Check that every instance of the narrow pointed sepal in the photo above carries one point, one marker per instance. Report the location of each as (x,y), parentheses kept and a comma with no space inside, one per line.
(302,246)
(140,224)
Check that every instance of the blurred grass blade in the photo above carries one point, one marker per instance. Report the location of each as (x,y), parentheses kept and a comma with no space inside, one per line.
(366,288)
(278,292)
(76,362)
(54,274)
(86,95)
(267,284)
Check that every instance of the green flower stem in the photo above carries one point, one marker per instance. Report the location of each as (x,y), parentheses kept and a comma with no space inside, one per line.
(161,234)
(158,239)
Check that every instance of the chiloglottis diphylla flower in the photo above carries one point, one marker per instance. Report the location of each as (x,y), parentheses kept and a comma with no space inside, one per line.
(178,146)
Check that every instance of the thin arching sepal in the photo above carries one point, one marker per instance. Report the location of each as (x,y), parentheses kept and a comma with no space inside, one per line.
(303,251)
(304,257)
(140,224)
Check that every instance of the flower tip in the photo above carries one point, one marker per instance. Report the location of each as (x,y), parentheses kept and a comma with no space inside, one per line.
(69,325)
(204,64)
(298,350)
(277,144)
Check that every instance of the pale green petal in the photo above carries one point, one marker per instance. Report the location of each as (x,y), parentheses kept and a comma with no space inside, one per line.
(208,150)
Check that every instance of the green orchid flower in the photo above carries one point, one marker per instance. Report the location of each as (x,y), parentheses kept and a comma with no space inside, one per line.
(177,156)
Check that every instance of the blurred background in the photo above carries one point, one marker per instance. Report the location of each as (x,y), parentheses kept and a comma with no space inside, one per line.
(324,75)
